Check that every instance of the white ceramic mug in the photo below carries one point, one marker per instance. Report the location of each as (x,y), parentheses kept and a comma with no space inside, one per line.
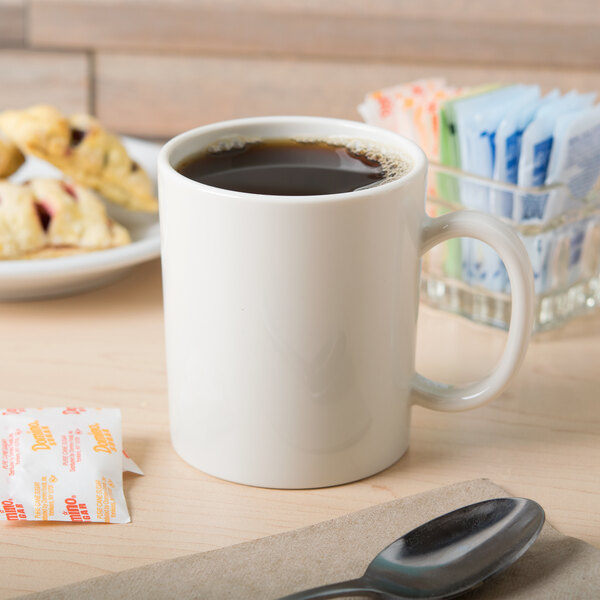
(291,321)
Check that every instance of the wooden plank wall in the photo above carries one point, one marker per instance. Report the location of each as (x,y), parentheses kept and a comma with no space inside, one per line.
(156,67)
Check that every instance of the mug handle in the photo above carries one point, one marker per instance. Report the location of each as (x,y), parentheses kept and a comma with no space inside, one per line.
(504,240)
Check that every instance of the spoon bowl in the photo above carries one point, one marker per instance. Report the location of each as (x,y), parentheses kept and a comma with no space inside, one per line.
(447,556)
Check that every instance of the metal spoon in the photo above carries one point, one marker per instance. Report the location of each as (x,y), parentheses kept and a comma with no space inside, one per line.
(447,556)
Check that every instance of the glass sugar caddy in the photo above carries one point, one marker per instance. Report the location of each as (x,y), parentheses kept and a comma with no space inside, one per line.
(561,235)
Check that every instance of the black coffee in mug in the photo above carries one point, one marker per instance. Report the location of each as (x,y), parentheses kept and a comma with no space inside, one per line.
(289,167)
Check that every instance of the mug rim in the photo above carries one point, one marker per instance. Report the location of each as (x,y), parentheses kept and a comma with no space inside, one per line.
(400,143)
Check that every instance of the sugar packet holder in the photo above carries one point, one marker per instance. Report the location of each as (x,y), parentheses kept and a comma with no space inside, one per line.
(63,464)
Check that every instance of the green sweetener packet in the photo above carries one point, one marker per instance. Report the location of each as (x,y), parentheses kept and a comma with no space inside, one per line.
(448,185)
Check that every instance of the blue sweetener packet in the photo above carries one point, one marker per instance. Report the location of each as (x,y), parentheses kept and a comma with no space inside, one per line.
(540,208)
(575,161)
(508,145)
(476,120)
(536,147)
(575,155)
(506,166)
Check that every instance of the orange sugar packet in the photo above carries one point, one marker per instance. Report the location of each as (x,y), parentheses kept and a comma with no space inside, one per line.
(411,109)
(63,464)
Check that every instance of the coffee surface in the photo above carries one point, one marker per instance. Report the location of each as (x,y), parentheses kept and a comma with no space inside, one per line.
(285,167)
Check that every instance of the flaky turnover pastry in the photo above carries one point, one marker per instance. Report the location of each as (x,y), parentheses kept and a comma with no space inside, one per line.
(46,218)
(11,158)
(82,149)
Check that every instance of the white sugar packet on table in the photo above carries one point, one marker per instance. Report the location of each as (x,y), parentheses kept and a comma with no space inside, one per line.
(63,464)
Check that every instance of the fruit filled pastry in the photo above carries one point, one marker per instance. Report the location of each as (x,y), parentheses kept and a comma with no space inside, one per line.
(46,218)
(84,151)
(11,158)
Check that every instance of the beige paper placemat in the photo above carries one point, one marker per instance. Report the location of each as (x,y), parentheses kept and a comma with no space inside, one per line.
(556,567)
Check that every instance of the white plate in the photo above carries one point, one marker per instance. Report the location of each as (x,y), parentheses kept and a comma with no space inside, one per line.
(48,277)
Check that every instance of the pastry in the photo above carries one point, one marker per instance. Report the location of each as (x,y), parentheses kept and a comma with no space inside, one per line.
(21,230)
(84,151)
(46,218)
(11,158)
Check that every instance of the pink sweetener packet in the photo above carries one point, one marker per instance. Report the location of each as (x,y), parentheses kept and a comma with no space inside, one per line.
(63,464)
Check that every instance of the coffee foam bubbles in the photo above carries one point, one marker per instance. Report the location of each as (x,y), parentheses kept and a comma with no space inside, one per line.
(393,164)
(235,142)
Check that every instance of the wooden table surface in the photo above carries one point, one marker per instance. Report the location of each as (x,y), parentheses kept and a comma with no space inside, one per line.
(541,439)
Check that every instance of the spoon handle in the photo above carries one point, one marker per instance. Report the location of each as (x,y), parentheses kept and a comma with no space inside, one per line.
(354,587)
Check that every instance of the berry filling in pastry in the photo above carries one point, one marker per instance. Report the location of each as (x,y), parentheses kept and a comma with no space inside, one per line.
(44,214)
(77,136)
(49,217)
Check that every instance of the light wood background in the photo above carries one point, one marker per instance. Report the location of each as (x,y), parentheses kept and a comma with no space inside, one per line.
(156,67)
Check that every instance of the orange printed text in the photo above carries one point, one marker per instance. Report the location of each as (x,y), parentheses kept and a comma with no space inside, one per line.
(42,435)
